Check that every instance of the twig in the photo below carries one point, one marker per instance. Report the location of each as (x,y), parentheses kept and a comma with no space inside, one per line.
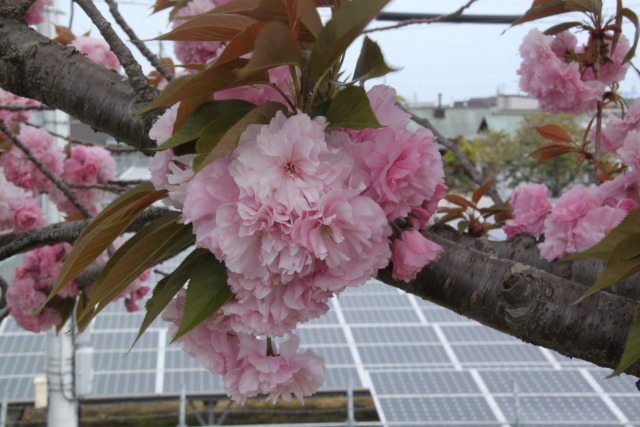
(127,183)
(116,149)
(423,21)
(25,107)
(45,170)
(67,232)
(468,168)
(117,189)
(133,38)
(3,301)
(137,79)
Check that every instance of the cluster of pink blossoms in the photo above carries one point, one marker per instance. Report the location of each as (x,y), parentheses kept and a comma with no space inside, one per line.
(299,214)
(583,216)
(7,98)
(34,280)
(551,72)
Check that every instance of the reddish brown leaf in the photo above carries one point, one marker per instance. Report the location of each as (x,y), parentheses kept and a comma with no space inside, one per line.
(554,133)
(550,150)
(451,210)
(460,201)
(274,46)
(480,191)
(65,36)
(242,44)
(211,27)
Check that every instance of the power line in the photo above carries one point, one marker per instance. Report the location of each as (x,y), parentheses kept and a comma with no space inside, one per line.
(460,19)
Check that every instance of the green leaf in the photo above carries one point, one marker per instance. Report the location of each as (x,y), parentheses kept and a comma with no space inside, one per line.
(168,287)
(201,118)
(351,109)
(103,230)
(212,134)
(262,114)
(207,291)
(371,63)
(557,29)
(630,225)
(158,241)
(631,349)
(631,16)
(543,10)
(274,46)
(346,24)
(208,81)
(211,27)
(619,265)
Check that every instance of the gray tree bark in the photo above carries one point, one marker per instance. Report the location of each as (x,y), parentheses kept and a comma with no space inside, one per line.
(517,298)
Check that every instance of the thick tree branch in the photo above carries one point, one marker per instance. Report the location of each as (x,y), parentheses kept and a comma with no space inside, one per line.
(468,168)
(63,232)
(131,67)
(133,38)
(527,303)
(35,67)
(62,186)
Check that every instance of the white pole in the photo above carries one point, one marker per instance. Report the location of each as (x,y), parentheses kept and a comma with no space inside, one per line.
(63,405)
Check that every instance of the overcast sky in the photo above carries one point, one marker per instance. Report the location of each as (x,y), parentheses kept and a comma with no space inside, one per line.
(459,61)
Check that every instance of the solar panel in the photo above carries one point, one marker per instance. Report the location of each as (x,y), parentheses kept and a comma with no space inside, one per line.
(423,364)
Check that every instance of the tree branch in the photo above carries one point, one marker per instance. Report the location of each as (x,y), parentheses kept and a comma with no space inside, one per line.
(525,302)
(133,38)
(423,21)
(35,67)
(62,186)
(64,232)
(132,69)
(25,108)
(468,168)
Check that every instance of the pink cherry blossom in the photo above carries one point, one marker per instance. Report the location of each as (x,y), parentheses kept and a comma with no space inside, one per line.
(276,374)
(97,50)
(530,209)
(629,153)
(22,171)
(616,131)
(35,14)
(7,98)
(23,299)
(410,253)
(612,70)
(18,210)
(261,93)
(86,165)
(557,85)
(624,186)
(595,225)
(405,169)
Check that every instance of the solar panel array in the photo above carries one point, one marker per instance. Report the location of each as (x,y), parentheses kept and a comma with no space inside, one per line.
(421,363)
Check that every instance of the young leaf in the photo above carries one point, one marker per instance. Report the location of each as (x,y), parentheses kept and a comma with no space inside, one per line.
(168,287)
(103,230)
(371,63)
(242,44)
(351,109)
(593,6)
(262,114)
(207,291)
(208,81)
(346,24)
(554,133)
(631,16)
(202,117)
(460,201)
(542,10)
(449,217)
(557,29)
(274,46)
(214,27)
(631,349)
(480,191)
(155,243)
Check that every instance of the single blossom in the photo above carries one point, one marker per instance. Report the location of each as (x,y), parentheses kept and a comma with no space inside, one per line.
(411,251)
(530,209)
(97,50)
